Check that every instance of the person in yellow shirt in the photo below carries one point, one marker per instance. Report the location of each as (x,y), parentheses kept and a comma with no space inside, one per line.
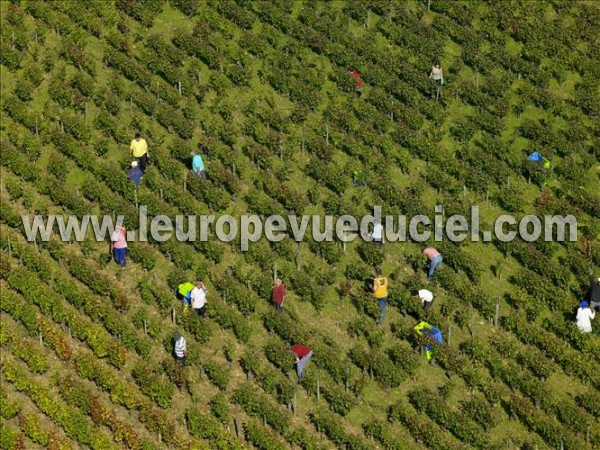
(139,150)
(380,292)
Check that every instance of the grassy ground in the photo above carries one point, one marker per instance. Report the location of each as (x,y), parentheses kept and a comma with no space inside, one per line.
(332,321)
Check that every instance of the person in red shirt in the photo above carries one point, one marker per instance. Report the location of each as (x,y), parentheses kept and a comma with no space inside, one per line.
(279,295)
(303,354)
(359,82)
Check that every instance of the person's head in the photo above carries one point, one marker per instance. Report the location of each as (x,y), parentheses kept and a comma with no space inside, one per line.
(436,64)
(414,293)
(176,336)
(193,153)
(138,136)
(278,282)
(134,164)
(295,357)
(199,283)
(584,304)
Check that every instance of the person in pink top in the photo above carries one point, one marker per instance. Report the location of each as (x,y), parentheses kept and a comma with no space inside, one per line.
(435,259)
(118,245)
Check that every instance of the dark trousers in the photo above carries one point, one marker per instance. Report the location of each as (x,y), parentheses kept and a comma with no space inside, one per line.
(278,307)
(200,311)
(181,360)
(143,162)
(120,255)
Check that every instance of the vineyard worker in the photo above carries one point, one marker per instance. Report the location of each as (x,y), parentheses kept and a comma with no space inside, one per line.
(198,163)
(425,296)
(135,174)
(584,317)
(198,297)
(433,333)
(139,150)
(437,73)
(185,290)
(359,82)
(380,292)
(118,245)
(302,354)
(377,233)
(180,349)
(279,295)
(359,178)
(435,260)
(593,294)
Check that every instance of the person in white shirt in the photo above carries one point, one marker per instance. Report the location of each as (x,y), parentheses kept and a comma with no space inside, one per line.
(198,297)
(584,317)
(437,73)
(180,349)
(425,296)
(377,233)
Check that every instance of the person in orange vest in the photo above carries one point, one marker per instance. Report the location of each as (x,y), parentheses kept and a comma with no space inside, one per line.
(380,292)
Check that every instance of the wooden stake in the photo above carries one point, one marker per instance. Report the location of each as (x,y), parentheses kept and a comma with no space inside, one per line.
(318,390)
(449,334)
(174,316)
(508,182)
(327,134)
(161,193)
(136,198)
(347,381)
(9,247)
(185,181)
(274,272)
(179,86)
(497,313)
(280,147)
(145,327)
(238,427)
(428,5)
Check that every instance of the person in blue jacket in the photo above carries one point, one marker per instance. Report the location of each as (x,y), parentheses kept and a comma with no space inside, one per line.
(198,163)
(135,174)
